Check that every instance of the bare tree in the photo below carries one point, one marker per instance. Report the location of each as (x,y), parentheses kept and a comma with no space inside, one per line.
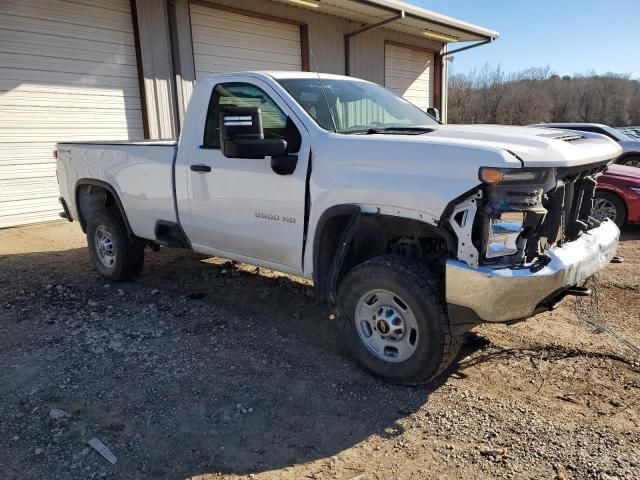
(536,95)
(492,87)
(460,105)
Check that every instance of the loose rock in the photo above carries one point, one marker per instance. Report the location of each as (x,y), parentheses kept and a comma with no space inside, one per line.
(58,413)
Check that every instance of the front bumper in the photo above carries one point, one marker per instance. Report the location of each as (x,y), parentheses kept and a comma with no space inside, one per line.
(502,295)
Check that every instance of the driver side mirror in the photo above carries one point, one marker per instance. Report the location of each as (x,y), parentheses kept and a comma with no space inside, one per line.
(242,136)
(434,112)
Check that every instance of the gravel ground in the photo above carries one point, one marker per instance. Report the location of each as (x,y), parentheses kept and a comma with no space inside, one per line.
(203,368)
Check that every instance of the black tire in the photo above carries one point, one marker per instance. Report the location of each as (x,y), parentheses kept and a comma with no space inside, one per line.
(616,202)
(129,252)
(422,291)
(630,161)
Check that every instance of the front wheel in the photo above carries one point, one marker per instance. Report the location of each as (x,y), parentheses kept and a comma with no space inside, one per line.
(394,322)
(114,253)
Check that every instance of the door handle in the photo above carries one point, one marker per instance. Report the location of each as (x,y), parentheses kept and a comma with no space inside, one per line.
(200,168)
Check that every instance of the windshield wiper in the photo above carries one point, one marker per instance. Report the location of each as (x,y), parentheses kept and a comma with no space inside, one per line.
(393,130)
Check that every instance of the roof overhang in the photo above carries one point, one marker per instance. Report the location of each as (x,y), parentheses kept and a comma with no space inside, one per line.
(415,20)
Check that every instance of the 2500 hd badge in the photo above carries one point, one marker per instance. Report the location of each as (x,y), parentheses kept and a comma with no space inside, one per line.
(275,217)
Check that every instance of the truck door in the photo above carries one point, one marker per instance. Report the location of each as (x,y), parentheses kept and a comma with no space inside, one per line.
(240,208)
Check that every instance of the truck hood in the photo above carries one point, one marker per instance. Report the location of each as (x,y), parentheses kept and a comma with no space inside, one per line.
(535,147)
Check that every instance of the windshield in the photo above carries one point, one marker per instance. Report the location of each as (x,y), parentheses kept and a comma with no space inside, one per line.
(632,132)
(624,135)
(357,107)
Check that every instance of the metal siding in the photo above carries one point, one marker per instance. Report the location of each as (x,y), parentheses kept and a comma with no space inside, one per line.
(326,32)
(226,42)
(414,23)
(67,72)
(157,68)
(368,51)
(409,73)
(326,37)
(182,54)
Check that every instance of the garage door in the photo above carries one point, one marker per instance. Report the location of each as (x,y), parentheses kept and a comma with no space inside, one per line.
(409,73)
(67,72)
(226,41)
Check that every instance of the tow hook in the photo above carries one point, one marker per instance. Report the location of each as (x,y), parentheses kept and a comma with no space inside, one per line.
(617,259)
(578,291)
(553,303)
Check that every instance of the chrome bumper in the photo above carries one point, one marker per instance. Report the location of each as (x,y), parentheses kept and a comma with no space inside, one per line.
(500,295)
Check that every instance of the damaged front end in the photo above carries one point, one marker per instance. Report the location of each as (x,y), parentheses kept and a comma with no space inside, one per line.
(526,212)
(525,224)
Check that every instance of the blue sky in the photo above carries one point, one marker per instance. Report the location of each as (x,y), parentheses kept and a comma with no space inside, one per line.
(571,36)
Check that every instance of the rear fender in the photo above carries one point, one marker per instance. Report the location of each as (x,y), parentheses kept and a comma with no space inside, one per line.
(92,194)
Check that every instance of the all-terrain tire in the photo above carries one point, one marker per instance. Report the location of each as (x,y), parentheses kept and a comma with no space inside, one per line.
(422,291)
(128,258)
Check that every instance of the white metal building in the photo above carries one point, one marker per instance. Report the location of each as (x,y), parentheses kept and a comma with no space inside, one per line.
(124,69)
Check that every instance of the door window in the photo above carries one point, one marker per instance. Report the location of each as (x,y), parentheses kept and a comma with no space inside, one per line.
(274,121)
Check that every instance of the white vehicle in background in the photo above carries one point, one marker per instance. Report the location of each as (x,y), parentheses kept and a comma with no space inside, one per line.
(413,230)
(630,144)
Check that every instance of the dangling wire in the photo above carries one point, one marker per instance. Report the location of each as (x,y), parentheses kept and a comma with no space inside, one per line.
(590,312)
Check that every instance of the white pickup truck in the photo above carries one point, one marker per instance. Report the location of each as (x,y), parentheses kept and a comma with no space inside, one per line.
(413,230)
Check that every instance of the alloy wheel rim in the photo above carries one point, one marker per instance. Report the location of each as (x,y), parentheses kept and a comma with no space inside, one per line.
(386,325)
(603,209)
(633,163)
(105,247)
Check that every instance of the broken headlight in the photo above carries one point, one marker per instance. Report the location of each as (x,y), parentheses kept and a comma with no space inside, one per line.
(513,210)
(504,230)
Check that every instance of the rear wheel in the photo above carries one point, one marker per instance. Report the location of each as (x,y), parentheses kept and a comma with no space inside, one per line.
(393,320)
(114,253)
(607,205)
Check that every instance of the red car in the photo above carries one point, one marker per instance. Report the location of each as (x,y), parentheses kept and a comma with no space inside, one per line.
(618,195)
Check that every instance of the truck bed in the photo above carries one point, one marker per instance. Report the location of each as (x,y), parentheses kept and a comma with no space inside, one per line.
(140,172)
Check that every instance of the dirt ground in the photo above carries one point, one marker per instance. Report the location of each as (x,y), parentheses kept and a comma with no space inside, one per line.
(206,369)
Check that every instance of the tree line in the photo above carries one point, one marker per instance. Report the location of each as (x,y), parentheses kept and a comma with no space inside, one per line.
(489,95)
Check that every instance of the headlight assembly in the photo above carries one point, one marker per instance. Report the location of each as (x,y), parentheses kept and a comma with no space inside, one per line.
(513,209)
(499,176)
(504,230)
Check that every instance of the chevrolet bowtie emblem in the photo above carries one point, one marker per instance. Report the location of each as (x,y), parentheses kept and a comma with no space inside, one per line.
(383,327)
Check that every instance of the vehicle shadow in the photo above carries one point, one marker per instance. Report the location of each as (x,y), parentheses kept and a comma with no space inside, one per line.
(222,369)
